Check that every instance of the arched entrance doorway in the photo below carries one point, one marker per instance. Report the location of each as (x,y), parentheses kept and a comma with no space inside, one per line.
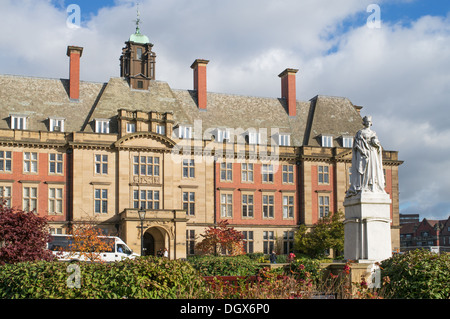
(155,239)
(149,244)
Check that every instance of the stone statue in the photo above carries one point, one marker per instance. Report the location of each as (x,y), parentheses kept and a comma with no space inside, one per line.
(367,162)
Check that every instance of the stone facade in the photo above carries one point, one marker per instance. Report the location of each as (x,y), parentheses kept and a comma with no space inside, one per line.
(185,156)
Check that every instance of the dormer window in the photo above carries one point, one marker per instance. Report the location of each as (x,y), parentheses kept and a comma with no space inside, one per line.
(284,140)
(327,141)
(184,132)
(19,122)
(254,138)
(102,126)
(56,124)
(223,135)
(347,141)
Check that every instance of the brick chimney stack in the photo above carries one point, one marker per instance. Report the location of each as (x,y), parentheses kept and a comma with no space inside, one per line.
(288,90)
(74,87)
(199,67)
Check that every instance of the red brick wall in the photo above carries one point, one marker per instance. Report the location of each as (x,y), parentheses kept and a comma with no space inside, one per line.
(257,188)
(42,177)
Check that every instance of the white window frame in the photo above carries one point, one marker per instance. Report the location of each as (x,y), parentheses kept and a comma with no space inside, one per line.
(247,172)
(131,127)
(248,205)
(56,200)
(6,194)
(58,163)
(101,164)
(268,241)
(254,138)
(30,198)
(248,241)
(188,199)
(223,135)
(226,205)
(284,140)
(32,158)
(267,173)
(184,132)
(19,122)
(323,174)
(226,172)
(102,126)
(288,174)
(288,206)
(147,199)
(102,200)
(161,129)
(347,141)
(6,161)
(324,205)
(268,206)
(56,124)
(188,168)
(327,141)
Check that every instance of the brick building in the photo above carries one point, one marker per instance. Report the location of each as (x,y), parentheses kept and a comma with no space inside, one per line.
(76,150)
(428,234)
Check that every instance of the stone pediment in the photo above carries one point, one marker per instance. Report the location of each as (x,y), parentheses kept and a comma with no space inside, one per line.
(145,140)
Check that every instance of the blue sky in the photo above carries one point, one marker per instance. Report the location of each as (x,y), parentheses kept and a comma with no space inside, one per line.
(393,11)
(399,73)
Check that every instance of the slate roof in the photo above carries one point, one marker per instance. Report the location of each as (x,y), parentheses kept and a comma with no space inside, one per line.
(41,98)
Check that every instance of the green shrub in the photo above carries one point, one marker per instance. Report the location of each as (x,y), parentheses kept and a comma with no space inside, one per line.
(255,256)
(306,269)
(282,259)
(145,277)
(225,265)
(417,274)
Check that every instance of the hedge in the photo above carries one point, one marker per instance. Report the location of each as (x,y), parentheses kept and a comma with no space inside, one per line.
(225,265)
(417,274)
(144,277)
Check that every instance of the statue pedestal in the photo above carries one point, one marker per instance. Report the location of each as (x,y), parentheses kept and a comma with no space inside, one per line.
(367,227)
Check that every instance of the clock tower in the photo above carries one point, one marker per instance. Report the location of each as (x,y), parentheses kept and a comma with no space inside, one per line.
(137,63)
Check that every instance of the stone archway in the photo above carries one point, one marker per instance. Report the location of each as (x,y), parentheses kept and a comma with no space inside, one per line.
(149,244)
(155,239)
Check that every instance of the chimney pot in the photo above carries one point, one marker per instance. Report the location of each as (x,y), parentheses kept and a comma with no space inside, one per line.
(74,53)
(200,82)
(288,90)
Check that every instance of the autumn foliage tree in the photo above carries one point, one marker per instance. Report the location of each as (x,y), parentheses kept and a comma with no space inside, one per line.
(23,236)
(222,238)
(86,243)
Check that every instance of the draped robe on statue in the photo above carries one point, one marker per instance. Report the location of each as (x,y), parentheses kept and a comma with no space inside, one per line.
(367,164)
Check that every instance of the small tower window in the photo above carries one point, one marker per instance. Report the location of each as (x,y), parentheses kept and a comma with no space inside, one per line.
(139,54)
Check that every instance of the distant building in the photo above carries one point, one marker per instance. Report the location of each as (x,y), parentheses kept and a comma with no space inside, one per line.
(409,218)
(428,234)
(75,150)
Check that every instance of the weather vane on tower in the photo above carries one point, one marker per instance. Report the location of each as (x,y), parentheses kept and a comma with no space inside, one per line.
(138,20)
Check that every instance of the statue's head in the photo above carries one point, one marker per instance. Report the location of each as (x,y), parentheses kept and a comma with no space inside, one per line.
(367,121)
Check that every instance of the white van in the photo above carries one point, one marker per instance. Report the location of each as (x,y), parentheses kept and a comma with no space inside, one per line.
(118,250)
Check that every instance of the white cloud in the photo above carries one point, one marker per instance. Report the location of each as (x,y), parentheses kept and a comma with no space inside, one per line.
(400,74)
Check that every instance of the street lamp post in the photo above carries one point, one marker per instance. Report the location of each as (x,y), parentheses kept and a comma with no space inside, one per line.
(142,213)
